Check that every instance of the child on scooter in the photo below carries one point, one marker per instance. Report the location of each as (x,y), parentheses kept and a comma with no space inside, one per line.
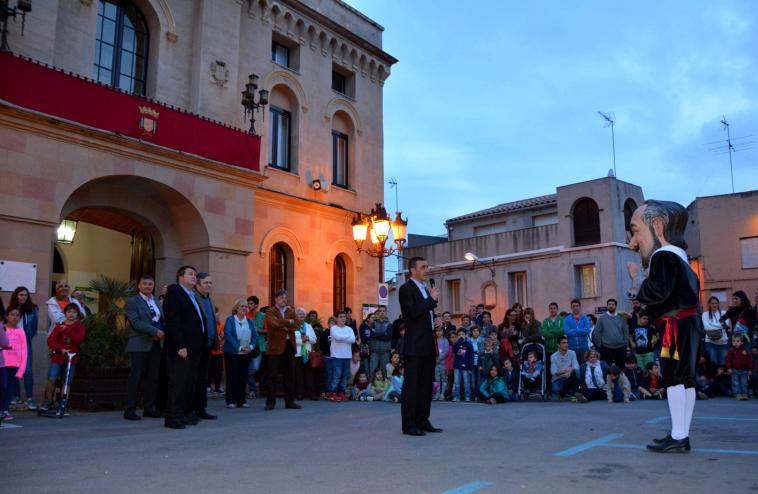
(65,337)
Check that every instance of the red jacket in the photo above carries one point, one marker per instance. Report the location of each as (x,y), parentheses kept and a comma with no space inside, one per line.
(65,337)
(739,359)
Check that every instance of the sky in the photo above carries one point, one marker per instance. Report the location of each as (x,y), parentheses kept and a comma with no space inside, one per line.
(496,101)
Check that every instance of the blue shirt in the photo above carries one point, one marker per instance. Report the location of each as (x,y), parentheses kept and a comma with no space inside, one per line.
(194,302)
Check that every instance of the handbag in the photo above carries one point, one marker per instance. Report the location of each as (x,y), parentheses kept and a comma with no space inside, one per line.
(316,359)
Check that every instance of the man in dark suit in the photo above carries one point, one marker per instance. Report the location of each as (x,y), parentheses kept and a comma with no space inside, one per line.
(281,323)
(199,397)
(144,347)
(419,348)
(186,333)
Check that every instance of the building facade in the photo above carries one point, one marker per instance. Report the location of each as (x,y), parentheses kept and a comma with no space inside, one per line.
(125,117)
(553,248)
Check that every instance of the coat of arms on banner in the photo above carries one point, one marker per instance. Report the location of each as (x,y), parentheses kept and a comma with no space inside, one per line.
(148,122)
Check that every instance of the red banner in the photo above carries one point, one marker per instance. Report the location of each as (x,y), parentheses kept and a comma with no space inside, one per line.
(48,90)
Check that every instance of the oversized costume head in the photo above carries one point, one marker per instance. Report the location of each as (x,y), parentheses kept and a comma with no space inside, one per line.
(665,222)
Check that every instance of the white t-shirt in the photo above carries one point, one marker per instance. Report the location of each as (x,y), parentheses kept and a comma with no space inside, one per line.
(342,339)
(713,324)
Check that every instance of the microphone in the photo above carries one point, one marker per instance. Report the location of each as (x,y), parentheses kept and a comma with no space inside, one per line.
(431,282)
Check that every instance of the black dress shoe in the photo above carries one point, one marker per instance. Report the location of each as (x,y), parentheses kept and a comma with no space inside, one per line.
(671,446)
(661,440)
(269,405)
(293,406)
(174,424)
(413,431)
(190,419)
(205,415)
(153,415)
(315,397)
(131,415)
(428,427)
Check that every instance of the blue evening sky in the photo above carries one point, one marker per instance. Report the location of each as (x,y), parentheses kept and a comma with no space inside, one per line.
(495,101)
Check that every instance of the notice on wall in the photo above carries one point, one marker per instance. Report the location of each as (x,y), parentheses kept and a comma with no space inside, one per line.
(14,274)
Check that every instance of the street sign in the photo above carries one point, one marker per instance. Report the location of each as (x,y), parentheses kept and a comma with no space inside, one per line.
(383,294)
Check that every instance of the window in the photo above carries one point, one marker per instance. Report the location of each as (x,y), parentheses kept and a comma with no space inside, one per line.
(586,283)
(280,133)
(277,271)
(749,247)
(454,295)
(280,54)
(339,159)
(339,82)
(121,46)
(339,284)
(586,222)
(518,288)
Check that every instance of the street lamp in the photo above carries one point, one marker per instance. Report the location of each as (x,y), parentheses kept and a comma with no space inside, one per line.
(6,12)
(248,100)
(474,260)
(376,227)
(66,232)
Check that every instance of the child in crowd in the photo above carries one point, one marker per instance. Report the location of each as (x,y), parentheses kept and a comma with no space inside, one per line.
(493,389)
(487,325)
(389,369)
(739,365)
(643,339)
(722,382)
(617,386)
(379,385)
(4,344)
(506,351)
(65,337)
(635,376)
(216,363)
(652,384)
(463,364)
(477,343)
(395,391)
(440,374)
(511,378)
(532,368)
(360,388)
(489,356)
(452,337)
(342,337)
(355,366)
(15,359)
(704,374)
(365,340)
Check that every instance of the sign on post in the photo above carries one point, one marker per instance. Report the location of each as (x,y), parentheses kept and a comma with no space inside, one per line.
(383,292)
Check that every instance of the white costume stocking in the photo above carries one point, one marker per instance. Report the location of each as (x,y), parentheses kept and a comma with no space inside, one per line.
(677,401)
(690,397)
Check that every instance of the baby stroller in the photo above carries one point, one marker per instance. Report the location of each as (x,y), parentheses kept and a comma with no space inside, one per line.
(58,408)
(527,388)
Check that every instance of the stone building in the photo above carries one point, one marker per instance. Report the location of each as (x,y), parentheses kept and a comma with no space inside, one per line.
(125,117)
(571,244)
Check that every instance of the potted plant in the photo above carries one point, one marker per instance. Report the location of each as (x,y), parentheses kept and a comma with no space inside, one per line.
(103,370)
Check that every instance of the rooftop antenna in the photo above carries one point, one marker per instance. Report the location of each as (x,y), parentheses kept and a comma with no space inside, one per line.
(393,184)
(610,121)
(732,145)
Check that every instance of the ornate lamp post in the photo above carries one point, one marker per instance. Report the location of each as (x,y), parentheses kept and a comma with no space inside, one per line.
(6,12)
(248,100)
(377,227)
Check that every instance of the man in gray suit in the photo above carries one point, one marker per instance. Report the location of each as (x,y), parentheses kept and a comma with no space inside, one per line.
(144,347)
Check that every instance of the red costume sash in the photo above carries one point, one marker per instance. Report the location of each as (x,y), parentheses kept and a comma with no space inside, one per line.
(670,325)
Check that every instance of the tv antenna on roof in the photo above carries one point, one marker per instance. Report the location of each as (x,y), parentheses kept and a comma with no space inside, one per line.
(610,121)
(393,184)
(732,146)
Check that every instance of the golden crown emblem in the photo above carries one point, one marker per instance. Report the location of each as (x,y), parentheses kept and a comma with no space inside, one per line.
(146,110)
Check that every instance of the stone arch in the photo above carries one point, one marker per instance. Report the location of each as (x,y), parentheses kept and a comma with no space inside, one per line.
(288,23)
(372,70)
(300,31)
(382,74)
(312,37)
(343,105)
(162,13)
(346,248)
(276,15)
(585,222)
(285,78)
(354,59)
(362,63)
(284,235)
(344,51)
(334,47)
(323,42)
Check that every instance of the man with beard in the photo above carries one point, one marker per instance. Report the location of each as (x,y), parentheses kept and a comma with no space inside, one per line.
(669,290)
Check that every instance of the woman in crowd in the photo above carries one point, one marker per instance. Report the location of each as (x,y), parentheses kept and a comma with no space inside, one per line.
(531,329)
(305,338)
(240,338)
(741,316)
(509,328)
(21,300)
(716,338)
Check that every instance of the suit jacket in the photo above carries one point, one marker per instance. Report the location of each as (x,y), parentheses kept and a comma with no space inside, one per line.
(184,326)
(277,329)
(419,338)
(142,330)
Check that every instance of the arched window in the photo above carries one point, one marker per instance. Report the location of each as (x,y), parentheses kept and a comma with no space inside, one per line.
(121,46)
(629,207)
(339,284)
(342,131)
(277,271)
(586,222)
(282,129)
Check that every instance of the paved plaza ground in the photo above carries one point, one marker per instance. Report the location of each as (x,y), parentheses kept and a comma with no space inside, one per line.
(357,447)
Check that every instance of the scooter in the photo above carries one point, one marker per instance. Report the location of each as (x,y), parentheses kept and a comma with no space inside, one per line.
(63,399)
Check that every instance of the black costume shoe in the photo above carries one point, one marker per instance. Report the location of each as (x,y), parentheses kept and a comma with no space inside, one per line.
(205,415)
(190,419)
(175,424)
(293,406)
(671,446)
(413,431)
(131,415)
(428,427)
(661,440)
(152,415)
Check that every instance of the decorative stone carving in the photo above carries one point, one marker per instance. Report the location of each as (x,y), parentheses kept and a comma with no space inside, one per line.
(219,73)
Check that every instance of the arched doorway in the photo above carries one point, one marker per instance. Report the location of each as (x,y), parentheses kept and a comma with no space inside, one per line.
(129,226)
(339,284)
(280,271)
(586,219)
